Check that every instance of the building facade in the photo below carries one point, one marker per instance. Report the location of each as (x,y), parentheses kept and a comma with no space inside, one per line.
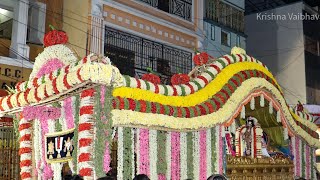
(161,35)
(223,26)
(289,46)
(23,24)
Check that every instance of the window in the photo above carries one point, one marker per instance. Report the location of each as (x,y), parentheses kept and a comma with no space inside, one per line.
(36,22)
(224,14)
(225,38)
(311,45)
(134,55)
(238,41)
(213,32)
(181,8)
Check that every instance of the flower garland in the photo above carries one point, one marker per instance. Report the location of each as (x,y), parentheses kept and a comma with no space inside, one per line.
(175,155)
(126,117)
(25,149)
(153,153)
(99,140)
(36,144)
(208,152)
(161,154)
(183,156)
(85,134)
(128,152)
(198,83)
(76,105)
(229,73)
(59,51)
(108,125)
(168,155)
(144,152)
(203,153)
(120,154)
(196,155)
(190,148)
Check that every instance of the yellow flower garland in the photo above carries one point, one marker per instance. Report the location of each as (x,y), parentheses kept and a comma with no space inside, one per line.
(198,97)
(132,118)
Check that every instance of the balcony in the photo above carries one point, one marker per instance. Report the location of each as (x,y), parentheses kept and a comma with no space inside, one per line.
(180,8)
(224,14)
(133,55)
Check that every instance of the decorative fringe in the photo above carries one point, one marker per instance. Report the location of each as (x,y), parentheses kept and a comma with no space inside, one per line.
(278,117)
(270,107)
(243,112)
(262,100)
(252,104)
(223,133)
(285,134)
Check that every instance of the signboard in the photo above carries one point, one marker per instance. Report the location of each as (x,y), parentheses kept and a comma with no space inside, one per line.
(10,75)
(59,146)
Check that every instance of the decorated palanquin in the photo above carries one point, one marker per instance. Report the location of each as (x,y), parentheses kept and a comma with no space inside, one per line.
(230,118)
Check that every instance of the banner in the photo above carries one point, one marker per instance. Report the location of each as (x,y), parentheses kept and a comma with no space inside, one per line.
(59,146)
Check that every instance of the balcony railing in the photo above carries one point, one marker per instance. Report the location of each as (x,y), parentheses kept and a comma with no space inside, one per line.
(224,14)
(133,55)
(181,8)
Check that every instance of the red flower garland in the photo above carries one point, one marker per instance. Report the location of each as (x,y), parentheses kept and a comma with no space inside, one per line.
(151,78)
(55,37)
(201,58)
(177,79)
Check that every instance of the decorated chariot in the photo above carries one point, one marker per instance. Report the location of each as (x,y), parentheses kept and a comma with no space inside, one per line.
(231,118)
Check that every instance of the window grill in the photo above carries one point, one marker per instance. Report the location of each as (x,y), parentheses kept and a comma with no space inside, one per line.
(224,14)
(133,55)
(181,8)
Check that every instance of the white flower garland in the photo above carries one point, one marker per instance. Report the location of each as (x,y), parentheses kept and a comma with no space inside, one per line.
(243,112)
(168,155)
(120,153)
(36,146)
(138,150)
(61,52)
(252,104)
(133,150)
(262,100)
(183,156)
(153,154)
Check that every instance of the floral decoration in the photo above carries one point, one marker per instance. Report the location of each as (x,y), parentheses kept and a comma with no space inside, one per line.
(177,79)
(54,37)
(151,78)
(201,58)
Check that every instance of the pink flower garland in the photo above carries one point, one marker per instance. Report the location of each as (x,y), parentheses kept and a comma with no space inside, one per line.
(67,105)
(203,153)
(106,159)
(102,98)
(175,156)
(144,152)
(161,177)
(50,66)
(43,113)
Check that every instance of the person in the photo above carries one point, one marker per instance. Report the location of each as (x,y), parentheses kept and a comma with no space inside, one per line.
(141,177)
(217,177)
(107,178)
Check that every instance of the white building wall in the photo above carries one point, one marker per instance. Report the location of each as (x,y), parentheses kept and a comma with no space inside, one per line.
(212,42)
(279,44)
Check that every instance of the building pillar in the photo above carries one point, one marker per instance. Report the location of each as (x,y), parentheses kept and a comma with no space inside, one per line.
(96,29)
(18,48)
